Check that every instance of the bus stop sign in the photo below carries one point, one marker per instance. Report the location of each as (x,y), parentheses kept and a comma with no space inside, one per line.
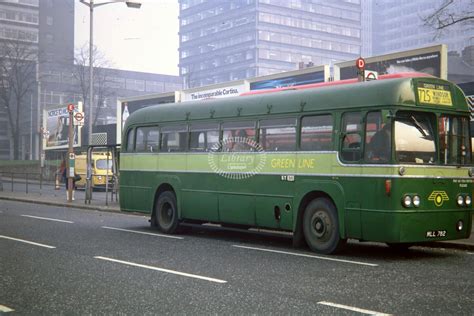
(360,63)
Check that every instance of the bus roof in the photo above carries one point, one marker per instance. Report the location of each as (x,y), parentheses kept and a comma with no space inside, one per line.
(398,90)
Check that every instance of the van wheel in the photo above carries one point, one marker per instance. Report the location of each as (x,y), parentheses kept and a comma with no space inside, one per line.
(165,215)
(321,227)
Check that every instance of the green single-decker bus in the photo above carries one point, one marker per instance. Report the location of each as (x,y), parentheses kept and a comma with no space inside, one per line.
(388,160)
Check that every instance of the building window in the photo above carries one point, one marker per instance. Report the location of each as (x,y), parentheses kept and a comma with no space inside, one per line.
(137,85)
(154,86)
(49,38)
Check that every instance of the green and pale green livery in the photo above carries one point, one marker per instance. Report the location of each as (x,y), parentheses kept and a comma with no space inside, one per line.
(316,173)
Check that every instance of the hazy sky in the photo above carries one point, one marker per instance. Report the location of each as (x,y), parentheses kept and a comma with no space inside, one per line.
(144,39)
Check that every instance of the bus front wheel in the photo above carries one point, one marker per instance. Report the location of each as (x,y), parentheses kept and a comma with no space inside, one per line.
(321,227)
(166,213)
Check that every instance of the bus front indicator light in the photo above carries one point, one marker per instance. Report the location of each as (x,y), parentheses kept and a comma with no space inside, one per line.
(468,200)
(459,226)
(407,201)
(416,201)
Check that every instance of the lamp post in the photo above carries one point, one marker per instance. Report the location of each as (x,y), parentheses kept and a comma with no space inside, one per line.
(92,5)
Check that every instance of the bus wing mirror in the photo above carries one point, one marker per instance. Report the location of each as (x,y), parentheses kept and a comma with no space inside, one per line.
(387,116)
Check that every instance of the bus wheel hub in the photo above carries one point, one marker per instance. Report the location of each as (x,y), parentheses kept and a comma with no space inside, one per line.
(319,225)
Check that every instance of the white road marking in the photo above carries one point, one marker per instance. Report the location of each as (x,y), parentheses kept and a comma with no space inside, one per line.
(162,270)
(470,253)
(48,219)
(143,233)
(27,242)
(4,309)
(308,256)
(354,309)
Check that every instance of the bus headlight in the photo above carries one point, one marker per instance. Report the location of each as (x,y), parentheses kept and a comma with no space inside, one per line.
(459,226)
(407,201)
(460,200)
(467,200)
(416,201)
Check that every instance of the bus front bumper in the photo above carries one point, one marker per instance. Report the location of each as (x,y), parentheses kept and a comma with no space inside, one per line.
(416,226)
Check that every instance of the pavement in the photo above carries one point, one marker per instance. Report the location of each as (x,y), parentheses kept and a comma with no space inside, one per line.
(101,202)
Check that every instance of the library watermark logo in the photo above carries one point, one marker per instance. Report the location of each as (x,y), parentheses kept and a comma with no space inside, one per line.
(237,158)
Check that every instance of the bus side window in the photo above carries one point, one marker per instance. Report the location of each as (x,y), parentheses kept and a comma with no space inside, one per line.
(140,140)
(377,139)
(316,133)
(351,137)
(130,140)
(278,134)
(204,137)
(174,138)
(238,136)
(147,139)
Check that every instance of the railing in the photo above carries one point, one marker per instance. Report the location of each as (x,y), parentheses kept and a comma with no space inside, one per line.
(36,182)
(27,178)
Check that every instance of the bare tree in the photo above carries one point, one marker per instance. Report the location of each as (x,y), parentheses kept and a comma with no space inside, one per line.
(450,13)
(101,78)
(18,67)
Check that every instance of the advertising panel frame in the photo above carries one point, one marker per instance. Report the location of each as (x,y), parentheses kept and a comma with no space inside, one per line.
(415,60)
(126,106)
(56,128)
(298,77)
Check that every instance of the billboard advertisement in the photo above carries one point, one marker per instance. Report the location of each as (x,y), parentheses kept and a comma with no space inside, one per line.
(127,106)
(56,128)
(296,80)
(214,93)
(292,78)
(431,60)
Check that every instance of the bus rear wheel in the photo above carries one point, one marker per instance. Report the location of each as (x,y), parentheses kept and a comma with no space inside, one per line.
(166,213)
(321,227)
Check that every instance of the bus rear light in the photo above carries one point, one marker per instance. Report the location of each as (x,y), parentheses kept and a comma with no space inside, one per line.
(388,187)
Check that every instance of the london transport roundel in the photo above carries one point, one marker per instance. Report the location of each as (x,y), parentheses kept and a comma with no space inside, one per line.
(78,116)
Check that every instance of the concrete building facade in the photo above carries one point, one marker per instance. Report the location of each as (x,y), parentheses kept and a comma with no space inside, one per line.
(19,28)
(48,26)
(237,39)
(398,25)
